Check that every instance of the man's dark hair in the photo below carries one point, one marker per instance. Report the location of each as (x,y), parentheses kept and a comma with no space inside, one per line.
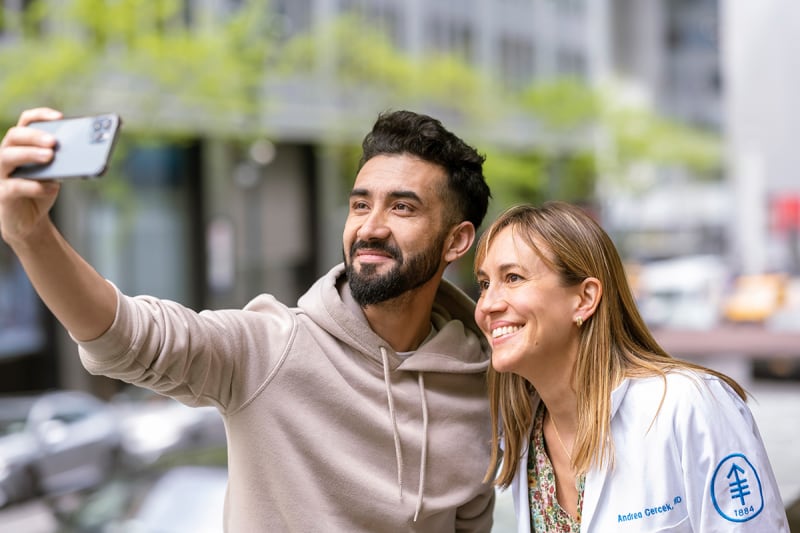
(406,132)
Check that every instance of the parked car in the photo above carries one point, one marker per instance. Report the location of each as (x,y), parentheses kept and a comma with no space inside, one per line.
(53,443)
(153,426)
(682,292)
(186,499)
(756,298)
(181,499)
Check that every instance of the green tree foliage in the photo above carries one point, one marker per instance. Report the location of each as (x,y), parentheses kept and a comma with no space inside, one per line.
(362,58)
(83,55)
(169,75)
(639,134)
(634,131)
(586,132)
(562,104)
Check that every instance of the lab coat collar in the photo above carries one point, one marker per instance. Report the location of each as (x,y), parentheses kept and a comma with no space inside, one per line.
(595,479)
(617,395)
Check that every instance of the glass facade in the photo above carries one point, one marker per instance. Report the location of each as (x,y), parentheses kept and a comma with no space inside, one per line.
(22,329)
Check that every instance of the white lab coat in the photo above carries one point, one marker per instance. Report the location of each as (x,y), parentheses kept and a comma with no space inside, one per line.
(700,467)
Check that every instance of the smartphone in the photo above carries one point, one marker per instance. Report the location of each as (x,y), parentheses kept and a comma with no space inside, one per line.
(83,148)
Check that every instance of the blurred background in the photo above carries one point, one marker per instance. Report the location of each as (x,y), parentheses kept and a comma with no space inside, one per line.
(672,121)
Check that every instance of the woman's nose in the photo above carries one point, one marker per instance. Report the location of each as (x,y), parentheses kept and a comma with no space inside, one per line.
(490,300)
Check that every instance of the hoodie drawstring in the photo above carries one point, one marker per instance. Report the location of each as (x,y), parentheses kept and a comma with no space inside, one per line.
(397,448)
(424,457)
(397,451)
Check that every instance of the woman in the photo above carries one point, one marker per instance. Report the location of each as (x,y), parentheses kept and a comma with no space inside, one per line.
(596,428)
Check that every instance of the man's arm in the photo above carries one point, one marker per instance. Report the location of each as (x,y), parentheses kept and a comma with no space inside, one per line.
(78,296)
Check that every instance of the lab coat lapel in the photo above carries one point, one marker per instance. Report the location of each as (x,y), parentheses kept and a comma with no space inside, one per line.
(596,478)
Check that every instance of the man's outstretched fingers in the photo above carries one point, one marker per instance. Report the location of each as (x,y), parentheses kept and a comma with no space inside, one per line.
(38,113)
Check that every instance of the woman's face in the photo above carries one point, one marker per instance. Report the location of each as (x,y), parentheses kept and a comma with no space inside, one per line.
(524,310)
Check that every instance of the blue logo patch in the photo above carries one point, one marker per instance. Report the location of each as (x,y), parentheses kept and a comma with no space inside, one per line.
(736,489)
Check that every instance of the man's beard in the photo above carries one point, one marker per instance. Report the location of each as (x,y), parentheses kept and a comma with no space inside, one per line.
(370,288)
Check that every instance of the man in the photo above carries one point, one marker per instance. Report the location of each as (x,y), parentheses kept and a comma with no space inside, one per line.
(361,409)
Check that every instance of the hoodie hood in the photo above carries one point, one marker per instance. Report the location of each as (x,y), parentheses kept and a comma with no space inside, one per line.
(457,346)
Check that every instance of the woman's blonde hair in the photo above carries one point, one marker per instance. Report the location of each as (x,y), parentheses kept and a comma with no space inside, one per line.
(614,342)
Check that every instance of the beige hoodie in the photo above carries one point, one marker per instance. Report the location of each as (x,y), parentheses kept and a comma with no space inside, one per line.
(328,428)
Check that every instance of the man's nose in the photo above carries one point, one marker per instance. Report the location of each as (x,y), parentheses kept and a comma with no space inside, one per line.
(374,227)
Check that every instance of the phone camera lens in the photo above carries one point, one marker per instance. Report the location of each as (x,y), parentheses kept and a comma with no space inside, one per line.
(101,124)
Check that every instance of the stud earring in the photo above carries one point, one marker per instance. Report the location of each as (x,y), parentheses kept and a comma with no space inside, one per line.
(579,321)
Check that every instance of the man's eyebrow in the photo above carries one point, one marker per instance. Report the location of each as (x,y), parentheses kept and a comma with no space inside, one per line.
(405,194)
(358,193)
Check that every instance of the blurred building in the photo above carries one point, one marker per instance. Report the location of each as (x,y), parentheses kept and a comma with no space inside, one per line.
(761,105)
(211,224)
(725,67)
(668,54)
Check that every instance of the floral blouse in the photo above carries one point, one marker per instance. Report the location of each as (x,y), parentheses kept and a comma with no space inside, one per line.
(547,516)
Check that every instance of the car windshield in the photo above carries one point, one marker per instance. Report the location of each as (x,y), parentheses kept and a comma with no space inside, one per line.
(186,499)
(13,415)
(183,499)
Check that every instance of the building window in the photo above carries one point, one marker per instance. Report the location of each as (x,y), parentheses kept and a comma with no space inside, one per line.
(516,61)
(294,16)
(570,6)
(21,328)
(378,15)
(11,12)
(571,63)
(451,36)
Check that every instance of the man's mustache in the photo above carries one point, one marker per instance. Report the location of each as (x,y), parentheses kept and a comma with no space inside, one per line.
(378,246)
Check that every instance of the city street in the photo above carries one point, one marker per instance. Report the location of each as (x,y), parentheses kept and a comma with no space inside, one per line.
(255,142)
(773,404)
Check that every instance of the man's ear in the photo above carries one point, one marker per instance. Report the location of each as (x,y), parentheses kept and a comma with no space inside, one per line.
(459,241)
(590,292)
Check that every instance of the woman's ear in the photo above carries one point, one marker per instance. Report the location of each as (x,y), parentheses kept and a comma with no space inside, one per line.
(459,241)
(590,292)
